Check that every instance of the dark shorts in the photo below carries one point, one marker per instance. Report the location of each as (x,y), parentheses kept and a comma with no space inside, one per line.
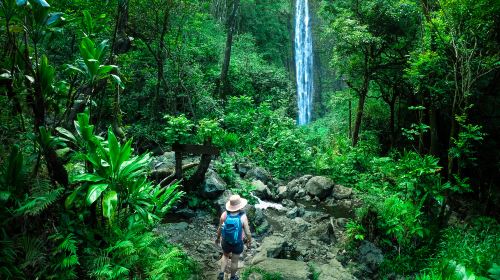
(235,249)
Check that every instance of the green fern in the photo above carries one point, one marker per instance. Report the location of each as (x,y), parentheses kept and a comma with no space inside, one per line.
(65,258)
(43,196)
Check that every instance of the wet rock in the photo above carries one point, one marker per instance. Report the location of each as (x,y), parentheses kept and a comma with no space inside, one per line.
(289,269)
(341,192)
(213,186)
(370,255)
(258,173)
(288,203)
(319,186)
(282,191)
(261,189)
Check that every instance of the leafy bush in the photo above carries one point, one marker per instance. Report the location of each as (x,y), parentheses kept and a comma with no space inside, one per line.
(474,246)
(178,129)
(98,227)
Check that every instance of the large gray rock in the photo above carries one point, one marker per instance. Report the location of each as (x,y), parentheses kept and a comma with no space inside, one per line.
(319,186)
(289,270)
(370,255)
(261,189)
(341,192)
(221,201)
(213,186)
(271,247)
(334,270)
(258,173)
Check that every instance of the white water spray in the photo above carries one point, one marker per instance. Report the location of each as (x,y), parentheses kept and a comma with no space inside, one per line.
(303,61)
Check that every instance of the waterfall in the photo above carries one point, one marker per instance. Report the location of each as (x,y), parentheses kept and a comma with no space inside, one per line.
(303,61)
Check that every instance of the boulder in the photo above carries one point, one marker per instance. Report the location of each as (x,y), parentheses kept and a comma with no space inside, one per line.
(271,247)
(300,225)
(319,186)
(165,161)
(295,188)
(370,255)
(334,270)
(282,192)
(301,193)
(261,189)
(288,269)
(341,192)
(221,201)
(295,212)
(258,173)
(213,186)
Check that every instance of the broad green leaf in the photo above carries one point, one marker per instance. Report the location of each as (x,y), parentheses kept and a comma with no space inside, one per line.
(42,3)
(99,50)
(109,203)
(53,17)
(95,192)
(69,200)
(118,81)
(21,2)
(105,69)
(114,150)
(66,133)
(86,177)
(125,152)
(88,22)
(74,68)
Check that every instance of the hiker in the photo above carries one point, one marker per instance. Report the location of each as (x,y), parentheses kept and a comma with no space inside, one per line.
(233,227)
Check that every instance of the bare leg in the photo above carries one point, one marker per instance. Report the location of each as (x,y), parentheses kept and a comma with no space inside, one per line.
(234,264)
(223,262)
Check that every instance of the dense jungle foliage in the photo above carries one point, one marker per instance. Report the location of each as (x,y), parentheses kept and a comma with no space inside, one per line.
(405,112)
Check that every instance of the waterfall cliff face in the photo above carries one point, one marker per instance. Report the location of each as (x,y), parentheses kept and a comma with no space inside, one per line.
(303,61)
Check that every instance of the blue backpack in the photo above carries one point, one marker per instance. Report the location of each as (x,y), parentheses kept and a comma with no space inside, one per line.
(232,229)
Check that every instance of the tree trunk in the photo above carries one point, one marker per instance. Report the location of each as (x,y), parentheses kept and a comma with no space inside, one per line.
(359,116)
(223,89)
(160,60)
(434,148)
(453,133)
(121,42)
(392,121)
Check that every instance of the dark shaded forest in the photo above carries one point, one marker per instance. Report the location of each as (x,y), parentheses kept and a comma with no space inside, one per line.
(402,155)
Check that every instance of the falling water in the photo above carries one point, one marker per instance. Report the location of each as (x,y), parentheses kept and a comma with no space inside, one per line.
(303,61)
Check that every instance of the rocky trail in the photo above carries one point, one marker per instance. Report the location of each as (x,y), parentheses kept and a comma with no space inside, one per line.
(298,229)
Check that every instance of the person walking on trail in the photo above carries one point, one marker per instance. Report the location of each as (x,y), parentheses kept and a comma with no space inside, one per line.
(233,228)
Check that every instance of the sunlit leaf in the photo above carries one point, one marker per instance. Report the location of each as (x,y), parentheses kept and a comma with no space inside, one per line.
(95,192)
(109,203)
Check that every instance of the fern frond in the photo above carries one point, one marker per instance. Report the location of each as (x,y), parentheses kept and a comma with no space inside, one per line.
(33,249)
(69,244)
(40,200)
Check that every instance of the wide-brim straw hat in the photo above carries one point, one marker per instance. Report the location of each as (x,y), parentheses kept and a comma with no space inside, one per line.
(235,203)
